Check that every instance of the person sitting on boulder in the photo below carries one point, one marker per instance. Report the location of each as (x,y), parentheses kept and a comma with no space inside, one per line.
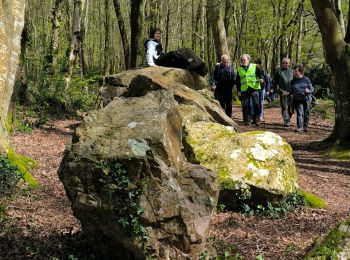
(182,58)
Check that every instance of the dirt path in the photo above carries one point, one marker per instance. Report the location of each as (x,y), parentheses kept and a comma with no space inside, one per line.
(41,224)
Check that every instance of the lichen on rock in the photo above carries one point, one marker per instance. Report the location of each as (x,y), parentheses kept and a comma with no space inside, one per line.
(259,159)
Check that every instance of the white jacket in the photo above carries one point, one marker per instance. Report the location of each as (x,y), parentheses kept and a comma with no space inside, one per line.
(151,53)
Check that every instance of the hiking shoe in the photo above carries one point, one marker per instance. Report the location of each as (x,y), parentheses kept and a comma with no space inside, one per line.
(297,130)
(306,129)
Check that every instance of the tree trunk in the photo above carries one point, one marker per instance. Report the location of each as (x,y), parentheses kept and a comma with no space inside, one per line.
(218,28)
(337,56)
(300,35)
(209,34)
(240,32)
(339,14)
(22,70)
(106,65)
(52,55)
(75,48)
(123,33)
(136,23)
(197,24)
(203,28)
(11,25)
(82,63)
(167,28)
(228,14)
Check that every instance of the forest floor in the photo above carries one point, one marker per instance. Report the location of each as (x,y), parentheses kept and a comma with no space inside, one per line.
(39,224)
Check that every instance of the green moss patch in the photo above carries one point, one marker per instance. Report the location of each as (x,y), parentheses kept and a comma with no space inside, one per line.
(9,123)
(24,165)
(338,154)
(312,200)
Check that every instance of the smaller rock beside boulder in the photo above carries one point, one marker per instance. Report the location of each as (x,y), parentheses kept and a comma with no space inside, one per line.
(259,164)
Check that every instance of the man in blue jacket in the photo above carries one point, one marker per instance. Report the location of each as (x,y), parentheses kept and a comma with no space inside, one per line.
(301,91)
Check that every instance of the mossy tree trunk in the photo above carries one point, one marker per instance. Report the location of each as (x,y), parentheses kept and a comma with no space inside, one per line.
(337,50)
(11,26)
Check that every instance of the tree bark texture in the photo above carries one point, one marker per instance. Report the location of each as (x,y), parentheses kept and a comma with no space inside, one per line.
(136,23)
(228,14)
(106,65)
(337,56)
(123,33)
(11,25)
(75,48)
(240,32)
(300,35)
(55,21)
(219,32)
(339,14)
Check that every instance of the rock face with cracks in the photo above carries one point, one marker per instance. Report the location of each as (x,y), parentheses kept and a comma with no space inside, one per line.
(144,173)
(130,186)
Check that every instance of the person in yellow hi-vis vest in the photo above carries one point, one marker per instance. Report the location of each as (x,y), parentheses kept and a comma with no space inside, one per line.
(249,78)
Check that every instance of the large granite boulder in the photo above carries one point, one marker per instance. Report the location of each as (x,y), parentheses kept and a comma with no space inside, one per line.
(116,85)
(130,185)
(256,165)
(335,245)
(182,83)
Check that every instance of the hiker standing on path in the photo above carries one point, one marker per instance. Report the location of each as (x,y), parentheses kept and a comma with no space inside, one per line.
(265,89)
(249,78)
(301,91)
(224,79)
(281,85)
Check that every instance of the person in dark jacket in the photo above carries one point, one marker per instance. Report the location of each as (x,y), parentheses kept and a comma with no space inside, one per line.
(281,85)
(249,78)
(224,79)
(301,91)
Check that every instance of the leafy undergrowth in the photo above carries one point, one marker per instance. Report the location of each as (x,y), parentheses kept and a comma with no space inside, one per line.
(324,109)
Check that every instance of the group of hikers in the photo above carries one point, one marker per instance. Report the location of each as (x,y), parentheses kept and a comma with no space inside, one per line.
(251,81)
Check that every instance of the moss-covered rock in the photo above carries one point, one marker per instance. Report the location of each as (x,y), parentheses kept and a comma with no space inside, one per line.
(258,162)
(24,165)
(313,201)
(335,245)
